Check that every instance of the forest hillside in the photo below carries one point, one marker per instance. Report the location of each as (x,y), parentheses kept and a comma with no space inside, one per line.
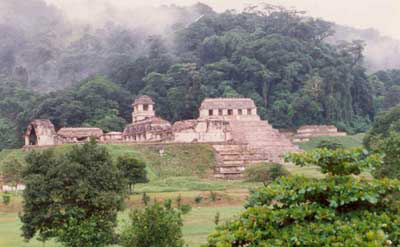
(87,74)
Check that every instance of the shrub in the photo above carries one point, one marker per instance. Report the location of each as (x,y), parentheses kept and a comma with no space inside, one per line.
(6,198)
(213,196)
(390,147)
(74,198)
(329,145)
(198,199)
(156,226)
(132,170)
(265,172)
(145,198)
(338,210)
(217,218)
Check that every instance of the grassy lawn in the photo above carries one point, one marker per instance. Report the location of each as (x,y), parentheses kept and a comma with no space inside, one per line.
(198,224)
(177,170)
(347,141)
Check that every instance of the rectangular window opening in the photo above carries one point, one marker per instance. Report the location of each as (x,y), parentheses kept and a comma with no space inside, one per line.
(240,112)
(210,112)
(145,107)
(248,111)
(220,112)
(230,112)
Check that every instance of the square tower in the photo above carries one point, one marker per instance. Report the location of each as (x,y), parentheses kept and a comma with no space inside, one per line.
(143,108)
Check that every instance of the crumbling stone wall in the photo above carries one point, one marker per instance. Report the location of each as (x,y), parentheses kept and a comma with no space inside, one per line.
(304,133)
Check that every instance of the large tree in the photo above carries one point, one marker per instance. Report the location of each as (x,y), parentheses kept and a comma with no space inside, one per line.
(340,209)
(73,198)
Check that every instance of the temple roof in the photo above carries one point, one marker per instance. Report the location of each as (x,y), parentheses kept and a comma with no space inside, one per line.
(144,99)
(227,103)
(80,132)
(44,123)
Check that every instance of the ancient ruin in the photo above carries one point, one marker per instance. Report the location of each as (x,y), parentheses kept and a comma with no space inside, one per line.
(231,125)
(305,132)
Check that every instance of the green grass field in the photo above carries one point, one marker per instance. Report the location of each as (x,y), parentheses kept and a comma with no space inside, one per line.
(347,141)
(178,170)
(197,225)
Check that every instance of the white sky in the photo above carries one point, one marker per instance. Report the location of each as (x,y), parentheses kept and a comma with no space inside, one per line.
(383,15)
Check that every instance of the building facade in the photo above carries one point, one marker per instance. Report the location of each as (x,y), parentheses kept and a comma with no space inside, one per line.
(231,125)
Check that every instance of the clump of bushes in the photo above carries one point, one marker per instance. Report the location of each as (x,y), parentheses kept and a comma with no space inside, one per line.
(158,225)
(265,172)
(338,210)
(329,145)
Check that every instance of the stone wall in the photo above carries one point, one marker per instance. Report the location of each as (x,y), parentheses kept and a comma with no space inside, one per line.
(304,133)
(190,131)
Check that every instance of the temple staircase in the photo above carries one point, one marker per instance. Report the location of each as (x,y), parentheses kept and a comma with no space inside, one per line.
(254,142)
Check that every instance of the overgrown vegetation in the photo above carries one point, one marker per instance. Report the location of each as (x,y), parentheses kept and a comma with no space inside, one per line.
(338,210)
(275,56)
(265,172)
(73,198)
(158,225)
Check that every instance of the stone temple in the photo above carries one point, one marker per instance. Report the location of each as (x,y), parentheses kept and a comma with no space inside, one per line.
(231,125)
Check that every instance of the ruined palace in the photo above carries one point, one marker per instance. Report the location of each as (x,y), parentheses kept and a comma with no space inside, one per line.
(231,125)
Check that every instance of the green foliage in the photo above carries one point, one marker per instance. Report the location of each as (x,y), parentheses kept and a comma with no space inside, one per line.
(198,199)
(6,198)
(385,123)
(11,171)
(275,56)
(265,172)
(145,198)
(155,226)
(133,170)
(390,147)
(338,210)
(217,218)
(337,162)
(347,142)
(213,196)
(73,198)
(329,145)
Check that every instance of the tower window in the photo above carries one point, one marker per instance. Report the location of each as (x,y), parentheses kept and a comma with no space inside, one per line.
(210,112)
(248,111)
(145,107)
(230,112)
(220,112)
(240,112)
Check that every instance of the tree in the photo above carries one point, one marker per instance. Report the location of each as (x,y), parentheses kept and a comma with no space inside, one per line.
(337,210)
(73,198)
(329,145)
(390,147)
(133,170)
(265,172)
(155,226)
(385,123)
(12,170)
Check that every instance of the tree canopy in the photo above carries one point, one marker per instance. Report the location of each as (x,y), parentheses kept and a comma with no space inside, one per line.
(73,198)
(280,58)
(337,210)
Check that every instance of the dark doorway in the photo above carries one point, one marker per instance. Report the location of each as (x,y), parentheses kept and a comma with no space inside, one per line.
(33,137)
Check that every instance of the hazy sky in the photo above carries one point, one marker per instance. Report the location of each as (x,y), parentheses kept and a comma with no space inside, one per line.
(383,15)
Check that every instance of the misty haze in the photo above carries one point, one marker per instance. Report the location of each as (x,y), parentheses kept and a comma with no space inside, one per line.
(267,123)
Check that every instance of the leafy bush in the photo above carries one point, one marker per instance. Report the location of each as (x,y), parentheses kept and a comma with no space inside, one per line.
(385,123)
(213,196)
(338,210)
(329,145)
(6,198)
(390,147)
(265,172)
(133,170)
(155,226)
(198,199)
(74,198)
